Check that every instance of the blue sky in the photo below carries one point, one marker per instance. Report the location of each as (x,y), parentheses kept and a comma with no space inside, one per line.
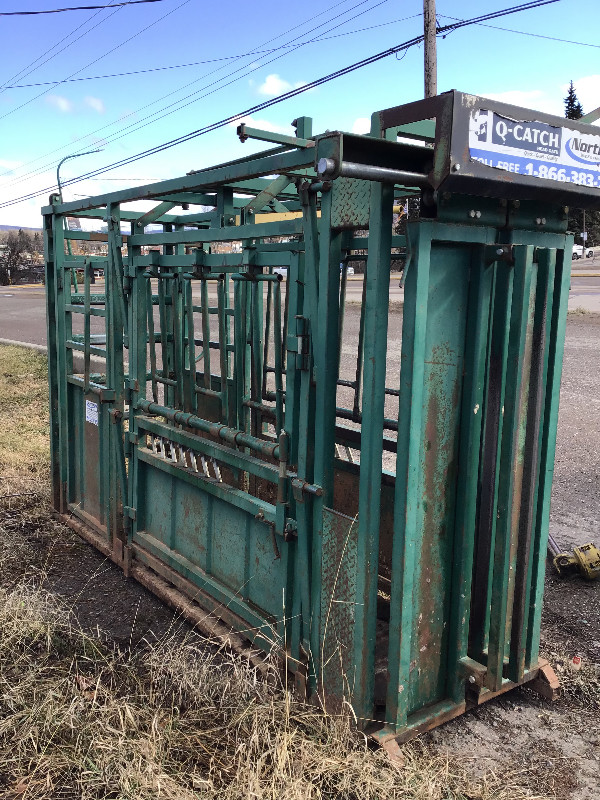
(39,125)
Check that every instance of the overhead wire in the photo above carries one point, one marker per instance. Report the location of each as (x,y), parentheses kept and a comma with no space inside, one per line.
(222,58)
(73,8)
(140,123)
(95,61)
(527,33)
(35,65)
(280,98)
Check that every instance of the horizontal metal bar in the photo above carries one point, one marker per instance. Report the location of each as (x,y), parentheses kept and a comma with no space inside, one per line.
(329,168)
(79,309)
(95,300)
(246,132)
(290,227)
(231,435)
(95,351)
(253,167)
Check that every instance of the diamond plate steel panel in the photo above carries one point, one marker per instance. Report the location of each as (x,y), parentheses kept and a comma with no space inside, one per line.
(350,203)
(338,597)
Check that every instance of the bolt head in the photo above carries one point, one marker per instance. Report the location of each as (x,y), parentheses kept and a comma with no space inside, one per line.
(472,213)
(456,168)
(471,678)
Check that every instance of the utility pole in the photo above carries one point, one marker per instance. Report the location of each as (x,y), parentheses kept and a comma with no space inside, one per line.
(429,29)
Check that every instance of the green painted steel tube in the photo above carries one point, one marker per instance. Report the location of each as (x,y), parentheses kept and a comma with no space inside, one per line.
(470,443)
(371,445)
(230,435)
(507,467)
(407,509)
(551,403)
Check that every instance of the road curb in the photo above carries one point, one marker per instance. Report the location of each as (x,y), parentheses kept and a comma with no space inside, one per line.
(40,348)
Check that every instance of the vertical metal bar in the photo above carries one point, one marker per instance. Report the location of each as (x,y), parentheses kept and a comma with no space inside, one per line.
(151,339)
(551,401)
(468,475)
(343,281)
(286,316)
(371,443)
(115,324)
(256,322)
(227,330)
(55,346)
(361,346)
(86,327)
(324,347)
(221,306)
(266,343)
(238,353)
(191,338)
(493,421)
(508,449)
(531,460)
(178,334)
(164,338)
(407,508)
(277,345)
(205,334)
(138,357)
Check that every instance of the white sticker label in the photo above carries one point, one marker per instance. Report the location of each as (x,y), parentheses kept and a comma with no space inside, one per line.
(534,148)
(91,412)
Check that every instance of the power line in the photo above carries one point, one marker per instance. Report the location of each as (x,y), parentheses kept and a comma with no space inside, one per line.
(495,14)
(222,58)
(280,98)
(73,8)
(138,124)
(95,61)
(23,73)
(527,33)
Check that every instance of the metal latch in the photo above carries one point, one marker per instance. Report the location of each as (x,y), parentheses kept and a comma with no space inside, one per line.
(300,343)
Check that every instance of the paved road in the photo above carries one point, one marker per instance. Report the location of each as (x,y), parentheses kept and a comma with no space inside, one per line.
(23,314)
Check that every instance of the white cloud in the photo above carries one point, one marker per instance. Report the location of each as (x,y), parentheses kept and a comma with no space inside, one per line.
(274,85)
(95,103)
(361,125)
(59,102)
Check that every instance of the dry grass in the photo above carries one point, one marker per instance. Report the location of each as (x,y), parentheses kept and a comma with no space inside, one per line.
(78,720)
(24,427)
(172,720)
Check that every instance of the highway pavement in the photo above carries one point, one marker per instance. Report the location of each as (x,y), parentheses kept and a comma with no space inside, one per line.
(23,311)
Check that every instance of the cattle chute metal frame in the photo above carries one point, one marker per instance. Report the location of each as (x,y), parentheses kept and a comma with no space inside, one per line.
(209,435)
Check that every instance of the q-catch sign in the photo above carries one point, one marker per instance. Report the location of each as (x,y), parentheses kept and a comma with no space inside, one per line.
(534,148)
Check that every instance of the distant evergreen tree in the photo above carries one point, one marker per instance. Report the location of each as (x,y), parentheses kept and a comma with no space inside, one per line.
(573,109)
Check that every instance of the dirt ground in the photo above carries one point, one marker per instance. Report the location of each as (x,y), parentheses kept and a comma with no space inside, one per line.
(552,749)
